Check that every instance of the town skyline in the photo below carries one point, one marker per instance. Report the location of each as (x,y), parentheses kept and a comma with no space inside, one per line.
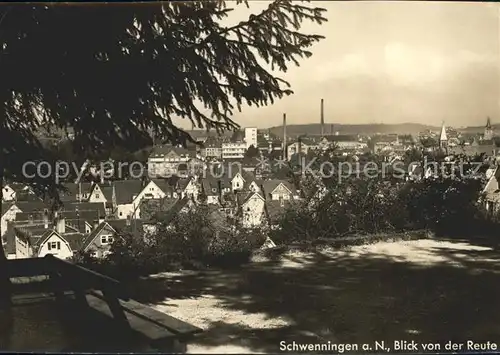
(391,62)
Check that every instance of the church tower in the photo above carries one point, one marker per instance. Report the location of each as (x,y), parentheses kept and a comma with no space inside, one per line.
(488,131)
(443,138)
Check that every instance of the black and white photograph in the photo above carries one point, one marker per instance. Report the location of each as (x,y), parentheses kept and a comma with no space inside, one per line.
(275,176)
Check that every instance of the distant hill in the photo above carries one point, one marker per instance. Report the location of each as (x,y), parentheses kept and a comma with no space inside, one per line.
(313,129)
(480,129)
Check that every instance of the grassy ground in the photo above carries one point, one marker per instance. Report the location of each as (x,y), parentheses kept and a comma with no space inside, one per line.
(423,290)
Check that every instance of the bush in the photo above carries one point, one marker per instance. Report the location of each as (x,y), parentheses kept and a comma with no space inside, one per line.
(191,240)
(446,206)
(233,250)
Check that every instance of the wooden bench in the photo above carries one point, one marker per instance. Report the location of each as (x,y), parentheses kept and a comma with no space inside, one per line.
(90,290)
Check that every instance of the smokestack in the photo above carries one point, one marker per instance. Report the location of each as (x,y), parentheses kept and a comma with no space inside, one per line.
(322,118)
(331,129)
(284,136)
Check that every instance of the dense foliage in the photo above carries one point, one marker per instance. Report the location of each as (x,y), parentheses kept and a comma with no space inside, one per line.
(194,239)
(449,206)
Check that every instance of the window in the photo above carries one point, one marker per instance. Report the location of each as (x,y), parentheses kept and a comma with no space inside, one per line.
(121,214)
(96,195)
(54,245)
(94,254)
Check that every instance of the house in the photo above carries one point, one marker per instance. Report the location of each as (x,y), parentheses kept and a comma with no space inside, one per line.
(476,148)
(210,189)
(301,146)
(31,206)
(76,191)
(126,193)
(239,143)
(9,211)
(98,243)
(38,240)
(102,193)
(251,209)
(212,148)
(279,190)
(349,142)
(151,191)
(170,187)
(491,192)
(164,212)
(8,194)
(167,160)
(188,187)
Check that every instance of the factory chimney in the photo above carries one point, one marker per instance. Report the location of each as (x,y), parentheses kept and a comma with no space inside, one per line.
(284,136)
(322,119)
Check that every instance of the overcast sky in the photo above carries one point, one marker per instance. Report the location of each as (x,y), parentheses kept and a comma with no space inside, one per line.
(394,62)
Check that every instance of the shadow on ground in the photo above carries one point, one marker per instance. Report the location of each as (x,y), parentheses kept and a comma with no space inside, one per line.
(426,291)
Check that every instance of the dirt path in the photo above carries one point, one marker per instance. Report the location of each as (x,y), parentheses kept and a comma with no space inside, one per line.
(424,290)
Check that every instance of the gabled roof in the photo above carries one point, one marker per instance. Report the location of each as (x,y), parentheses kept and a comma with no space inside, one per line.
(493,185)
(270,185)
(168,186)
(75,240)
(31,206)
(77,225)
(107,191)
(93,235)
(19,187)
(126,190)
(83,207)
(244,197)
(71,190)
(6,206)
(29,216)
(210,187)
(168,215)
(184,182)
(30,233)
(134,226)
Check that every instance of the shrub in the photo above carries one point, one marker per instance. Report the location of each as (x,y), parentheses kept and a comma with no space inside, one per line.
(447,206)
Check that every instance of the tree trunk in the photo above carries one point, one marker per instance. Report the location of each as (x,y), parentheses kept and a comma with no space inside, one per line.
(5,285)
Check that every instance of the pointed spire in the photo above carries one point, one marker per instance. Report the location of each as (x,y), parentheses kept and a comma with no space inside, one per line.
(442,136)
(488,123)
